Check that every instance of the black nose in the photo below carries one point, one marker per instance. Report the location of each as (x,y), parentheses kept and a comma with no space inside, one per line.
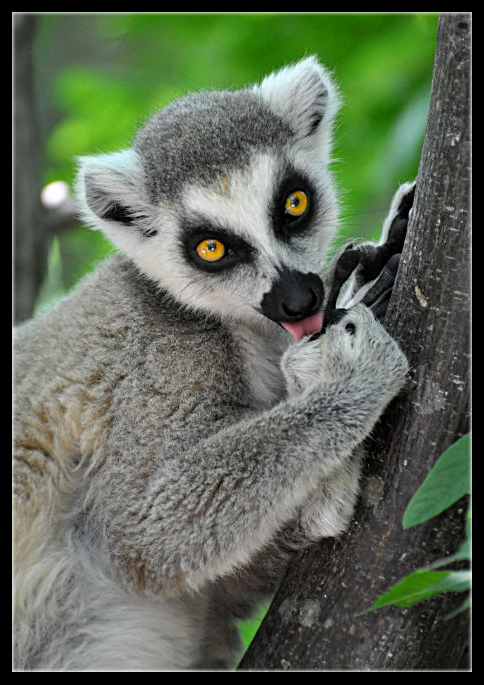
(294,296)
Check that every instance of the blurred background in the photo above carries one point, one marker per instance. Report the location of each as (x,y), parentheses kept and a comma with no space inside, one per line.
(85,82)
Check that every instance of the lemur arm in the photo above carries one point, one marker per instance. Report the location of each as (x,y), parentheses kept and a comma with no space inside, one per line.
(199,513)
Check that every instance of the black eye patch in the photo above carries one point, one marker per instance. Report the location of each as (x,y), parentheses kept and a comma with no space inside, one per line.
(287,225)
(236,250)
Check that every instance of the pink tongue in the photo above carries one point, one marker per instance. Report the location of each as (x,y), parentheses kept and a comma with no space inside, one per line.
(312,324)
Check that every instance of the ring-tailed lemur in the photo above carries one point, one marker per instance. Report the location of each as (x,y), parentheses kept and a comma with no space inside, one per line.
(189,415)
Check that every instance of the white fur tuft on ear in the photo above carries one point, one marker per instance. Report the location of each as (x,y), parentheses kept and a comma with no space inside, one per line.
(303,95)
(109,188)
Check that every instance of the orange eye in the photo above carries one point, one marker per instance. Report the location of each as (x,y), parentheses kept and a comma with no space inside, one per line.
(211,250)
(296,203)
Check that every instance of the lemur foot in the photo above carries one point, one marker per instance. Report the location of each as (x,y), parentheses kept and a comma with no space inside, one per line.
(372,267)
(375,257)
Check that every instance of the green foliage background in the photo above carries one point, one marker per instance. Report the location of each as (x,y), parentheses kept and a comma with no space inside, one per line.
(105,73)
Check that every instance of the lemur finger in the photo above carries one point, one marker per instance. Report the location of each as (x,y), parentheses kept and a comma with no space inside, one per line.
(345,266)
(374,258)
(380,308)
(406,202)
(380,292)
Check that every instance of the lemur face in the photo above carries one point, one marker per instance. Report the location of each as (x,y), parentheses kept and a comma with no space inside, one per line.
(252,240)
(225,198)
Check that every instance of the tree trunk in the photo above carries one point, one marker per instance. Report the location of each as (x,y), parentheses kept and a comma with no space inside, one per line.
(32,236)
(315,620)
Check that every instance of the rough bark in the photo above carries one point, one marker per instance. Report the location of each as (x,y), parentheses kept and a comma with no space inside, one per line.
(315,621)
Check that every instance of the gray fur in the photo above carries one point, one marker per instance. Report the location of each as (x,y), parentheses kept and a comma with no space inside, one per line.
(231,125)
(174,447)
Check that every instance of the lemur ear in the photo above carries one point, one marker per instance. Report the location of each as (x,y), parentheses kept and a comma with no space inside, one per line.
(108,189)
(303,95)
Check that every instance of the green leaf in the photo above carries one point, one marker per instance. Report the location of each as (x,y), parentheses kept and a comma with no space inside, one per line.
(412,589)
(446,483)
(469,522)
(455,581)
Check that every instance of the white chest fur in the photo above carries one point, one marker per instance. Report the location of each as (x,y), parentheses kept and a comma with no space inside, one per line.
(262,348)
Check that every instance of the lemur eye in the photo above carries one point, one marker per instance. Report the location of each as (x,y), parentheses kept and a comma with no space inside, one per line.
(211,250)
(297,203)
